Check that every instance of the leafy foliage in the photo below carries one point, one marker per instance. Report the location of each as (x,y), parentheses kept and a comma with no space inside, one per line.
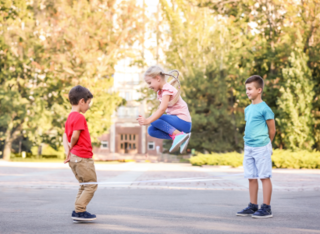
(295,104)
(47,47)
(219,44)
(280,159)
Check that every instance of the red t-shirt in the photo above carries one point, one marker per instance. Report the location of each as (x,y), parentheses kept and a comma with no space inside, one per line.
(83,147)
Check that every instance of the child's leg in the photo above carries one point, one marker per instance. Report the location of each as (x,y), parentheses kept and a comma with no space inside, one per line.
(250,172)
(264,167)
(157,133)
(253,190)
(267,190)
(163,126)
(179,124)
(171,125)
(84,171)
(73,165)
(81,189)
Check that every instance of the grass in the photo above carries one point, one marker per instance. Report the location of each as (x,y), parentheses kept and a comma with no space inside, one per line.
(40,160)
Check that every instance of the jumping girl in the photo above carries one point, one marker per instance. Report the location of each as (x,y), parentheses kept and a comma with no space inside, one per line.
(176,124)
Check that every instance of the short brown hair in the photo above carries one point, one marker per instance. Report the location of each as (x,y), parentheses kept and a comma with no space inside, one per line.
(257,79)
(77,93)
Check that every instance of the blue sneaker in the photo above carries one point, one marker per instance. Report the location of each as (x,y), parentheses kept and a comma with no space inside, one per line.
(249,210)
(83,216)
(178,140)
(184,145)
(263,213)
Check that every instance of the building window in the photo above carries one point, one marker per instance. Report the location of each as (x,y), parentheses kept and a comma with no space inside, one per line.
(104,145)
(128,112)
(151,145)
(128,96)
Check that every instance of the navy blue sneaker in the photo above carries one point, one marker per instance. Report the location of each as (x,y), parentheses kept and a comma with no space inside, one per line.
(249,210)
(83,216)
(263,213)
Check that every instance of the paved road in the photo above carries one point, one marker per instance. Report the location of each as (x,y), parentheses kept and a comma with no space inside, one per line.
(38,198)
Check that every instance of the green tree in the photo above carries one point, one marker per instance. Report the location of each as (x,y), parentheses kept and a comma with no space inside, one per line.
(276,25)
(204,51)
(295,104)
(22,79)
(49,46)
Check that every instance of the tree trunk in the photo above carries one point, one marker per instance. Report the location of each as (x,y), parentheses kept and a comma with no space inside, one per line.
(7,143)
(7,150)
(10,137)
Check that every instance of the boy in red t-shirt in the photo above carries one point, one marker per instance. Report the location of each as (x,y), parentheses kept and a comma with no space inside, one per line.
(77,145)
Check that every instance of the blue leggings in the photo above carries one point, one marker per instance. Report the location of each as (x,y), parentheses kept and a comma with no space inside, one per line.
(167,124)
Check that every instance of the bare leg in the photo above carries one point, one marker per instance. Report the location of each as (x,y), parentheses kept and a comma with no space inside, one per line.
(253,190)
(267,190)
(176,132)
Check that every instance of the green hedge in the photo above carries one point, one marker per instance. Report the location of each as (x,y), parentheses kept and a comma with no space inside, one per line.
(280,159)
(233,159)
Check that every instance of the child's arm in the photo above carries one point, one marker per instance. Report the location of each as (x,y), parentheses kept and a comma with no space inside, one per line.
(272,128)
(66,148)
(74,138)
(69,146)
(157,114)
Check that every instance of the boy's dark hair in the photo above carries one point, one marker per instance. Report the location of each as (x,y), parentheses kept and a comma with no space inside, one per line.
(77,93)
(255,78)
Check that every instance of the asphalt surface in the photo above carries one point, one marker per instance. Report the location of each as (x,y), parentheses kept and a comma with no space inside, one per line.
(39,198)
(154,211)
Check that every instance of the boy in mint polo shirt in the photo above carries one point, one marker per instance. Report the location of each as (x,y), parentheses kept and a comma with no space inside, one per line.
(259,133)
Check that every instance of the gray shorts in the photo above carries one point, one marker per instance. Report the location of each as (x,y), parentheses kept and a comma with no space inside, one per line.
(257,162)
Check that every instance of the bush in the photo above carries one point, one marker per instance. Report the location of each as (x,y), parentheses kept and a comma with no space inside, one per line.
(296,160)
(233,159)
(280,159)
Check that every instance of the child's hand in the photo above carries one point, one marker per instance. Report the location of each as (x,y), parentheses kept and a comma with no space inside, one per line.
(142,120)
(67,159)
(67,154)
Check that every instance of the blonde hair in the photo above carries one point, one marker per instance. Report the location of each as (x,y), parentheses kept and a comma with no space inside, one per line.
(156,70)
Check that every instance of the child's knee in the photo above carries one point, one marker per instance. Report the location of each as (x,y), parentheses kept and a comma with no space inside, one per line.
(253,180)
(151,131)
(92,187)
(154,123)
(265,179)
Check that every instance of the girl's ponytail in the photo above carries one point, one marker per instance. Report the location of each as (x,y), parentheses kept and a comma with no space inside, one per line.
(157,70)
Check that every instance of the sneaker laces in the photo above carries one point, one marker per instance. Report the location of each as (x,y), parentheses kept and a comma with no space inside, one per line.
(263,210)
(86,213)
(250,207)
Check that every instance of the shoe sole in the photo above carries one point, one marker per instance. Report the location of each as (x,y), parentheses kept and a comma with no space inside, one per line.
(178,144)
(243,215)
(262,217)
(186,144)
(79,221)
(82,219)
